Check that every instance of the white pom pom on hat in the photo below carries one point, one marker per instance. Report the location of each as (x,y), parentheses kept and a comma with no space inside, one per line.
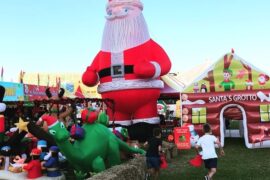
(112,3)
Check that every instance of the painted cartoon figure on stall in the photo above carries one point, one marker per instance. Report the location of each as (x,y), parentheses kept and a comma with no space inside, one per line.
(227,83)
(128,69)
(196,88)
(203,88)
(262,80)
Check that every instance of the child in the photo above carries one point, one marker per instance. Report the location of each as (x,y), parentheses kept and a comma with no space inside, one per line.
(207,143)
(153,153)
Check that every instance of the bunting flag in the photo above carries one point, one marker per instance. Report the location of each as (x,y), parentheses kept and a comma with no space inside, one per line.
(48,81)
(56,82)
(21,76)
(38,79)
(2,73)
(79,92)
(59,82)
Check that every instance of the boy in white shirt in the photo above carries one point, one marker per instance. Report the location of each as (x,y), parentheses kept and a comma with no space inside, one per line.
(207,144)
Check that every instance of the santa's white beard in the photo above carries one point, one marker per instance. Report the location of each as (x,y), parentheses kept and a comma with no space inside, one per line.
(122,34)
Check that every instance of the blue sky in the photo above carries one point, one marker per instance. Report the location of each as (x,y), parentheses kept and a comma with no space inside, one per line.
(65,35)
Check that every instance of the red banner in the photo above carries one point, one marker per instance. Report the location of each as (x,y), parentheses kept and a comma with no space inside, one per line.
(34,92)
(2,124)
(182,137)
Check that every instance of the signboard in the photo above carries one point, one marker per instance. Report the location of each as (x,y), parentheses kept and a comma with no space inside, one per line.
(182,137)
(34,92)
(14,91)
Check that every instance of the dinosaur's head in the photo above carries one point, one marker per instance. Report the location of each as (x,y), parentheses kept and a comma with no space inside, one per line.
(56,128)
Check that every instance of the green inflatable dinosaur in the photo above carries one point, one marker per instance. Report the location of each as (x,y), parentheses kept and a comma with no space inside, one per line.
(99,148)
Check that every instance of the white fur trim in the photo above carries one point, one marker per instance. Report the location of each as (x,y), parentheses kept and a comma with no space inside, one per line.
(113,3)
(130,84)
(153,120)
(123,123)
(157,69)
(2,107)
(56,122)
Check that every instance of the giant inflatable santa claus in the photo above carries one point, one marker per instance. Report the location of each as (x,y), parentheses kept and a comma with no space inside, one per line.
(128,69)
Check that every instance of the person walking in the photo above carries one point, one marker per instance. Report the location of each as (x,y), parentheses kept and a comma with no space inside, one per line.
(207,143)
(153,154)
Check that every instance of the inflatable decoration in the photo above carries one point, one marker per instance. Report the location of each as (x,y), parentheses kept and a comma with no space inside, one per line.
(197,161)
(52,164)
(128,69)
(194,137)
(89,154)
(33,168)
(2,118)
(56,110)
(236,91)
(163,162)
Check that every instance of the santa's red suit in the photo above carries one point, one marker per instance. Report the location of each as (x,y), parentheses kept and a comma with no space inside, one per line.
(132,80)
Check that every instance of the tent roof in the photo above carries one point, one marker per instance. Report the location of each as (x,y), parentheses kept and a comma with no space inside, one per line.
(174,83)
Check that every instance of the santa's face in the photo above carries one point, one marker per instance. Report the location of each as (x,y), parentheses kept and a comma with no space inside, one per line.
(122,11)
(125,28)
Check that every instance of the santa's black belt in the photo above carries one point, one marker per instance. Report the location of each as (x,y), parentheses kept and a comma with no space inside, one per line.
(128,69)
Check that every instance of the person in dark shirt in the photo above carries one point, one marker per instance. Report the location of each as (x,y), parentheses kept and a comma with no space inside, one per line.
(153,153)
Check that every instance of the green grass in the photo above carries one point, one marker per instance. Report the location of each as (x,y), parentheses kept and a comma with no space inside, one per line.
(239,163)
(234,124)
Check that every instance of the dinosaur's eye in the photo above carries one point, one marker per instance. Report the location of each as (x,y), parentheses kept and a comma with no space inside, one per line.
(62,125)
(52,132)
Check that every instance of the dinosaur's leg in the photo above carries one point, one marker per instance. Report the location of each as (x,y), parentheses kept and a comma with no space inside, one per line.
(113,153)
(98,164)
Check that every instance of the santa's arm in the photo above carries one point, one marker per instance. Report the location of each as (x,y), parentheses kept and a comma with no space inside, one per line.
(90,76)
(161,58)
(157,63)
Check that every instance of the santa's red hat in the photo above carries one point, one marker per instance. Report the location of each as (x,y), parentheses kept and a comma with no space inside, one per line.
(36,152)
(50,120)
(112,3)
(89,116)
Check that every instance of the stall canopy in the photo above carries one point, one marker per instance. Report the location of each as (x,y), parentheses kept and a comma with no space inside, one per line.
(172,86)
(174,83)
